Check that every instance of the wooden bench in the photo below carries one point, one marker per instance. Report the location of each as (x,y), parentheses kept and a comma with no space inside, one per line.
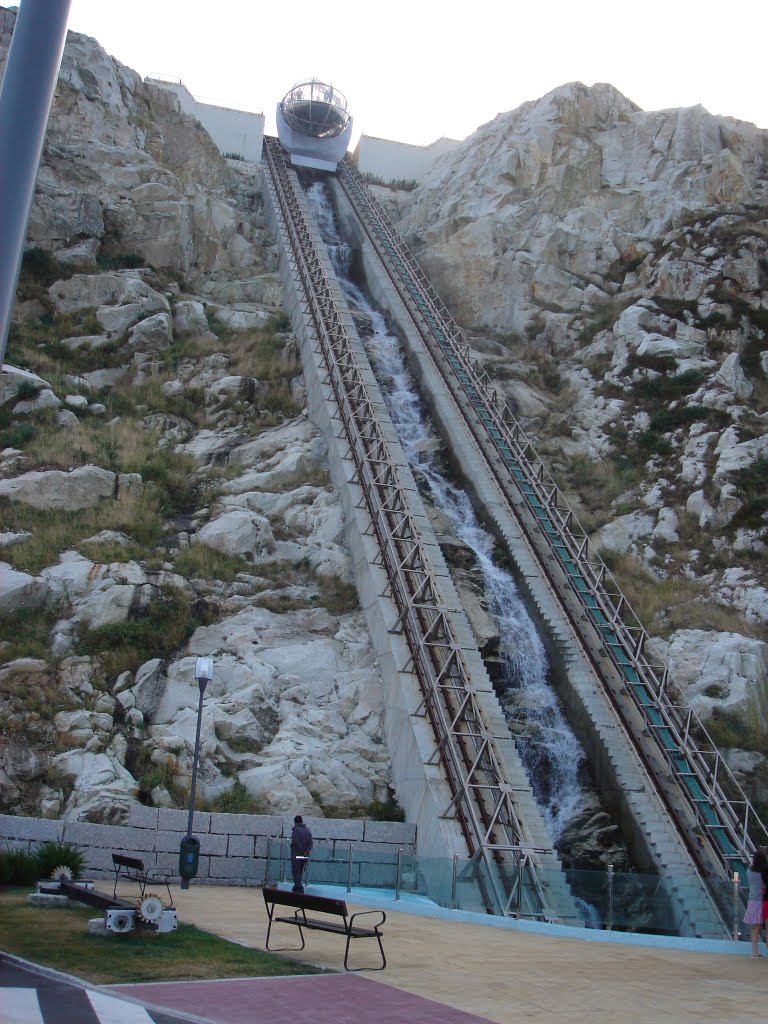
(132,869)
(343,925)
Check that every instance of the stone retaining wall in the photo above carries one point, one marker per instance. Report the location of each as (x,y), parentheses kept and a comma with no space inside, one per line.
(233,847)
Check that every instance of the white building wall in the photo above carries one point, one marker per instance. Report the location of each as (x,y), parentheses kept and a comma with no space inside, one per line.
(391,160)
(233,131)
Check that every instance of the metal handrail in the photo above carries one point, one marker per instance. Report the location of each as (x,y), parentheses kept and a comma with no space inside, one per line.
(621,634)
(481,794)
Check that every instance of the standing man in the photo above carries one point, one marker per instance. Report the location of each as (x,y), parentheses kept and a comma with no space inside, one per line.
(301,844)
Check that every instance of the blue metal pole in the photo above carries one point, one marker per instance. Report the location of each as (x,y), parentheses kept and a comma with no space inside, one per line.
(27,89)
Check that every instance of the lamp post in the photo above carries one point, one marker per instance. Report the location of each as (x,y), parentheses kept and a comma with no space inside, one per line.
(189,851)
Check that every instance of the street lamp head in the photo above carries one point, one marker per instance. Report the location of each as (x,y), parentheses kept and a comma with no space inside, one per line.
(204,671)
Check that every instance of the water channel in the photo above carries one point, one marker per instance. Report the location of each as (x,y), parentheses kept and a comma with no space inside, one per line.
(550,752)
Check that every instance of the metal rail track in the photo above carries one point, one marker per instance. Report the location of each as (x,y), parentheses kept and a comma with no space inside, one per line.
(605,618)
(482,798)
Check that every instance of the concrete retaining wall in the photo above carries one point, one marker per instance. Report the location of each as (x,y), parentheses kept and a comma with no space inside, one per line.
(392,160)
(233,131)
(233,847)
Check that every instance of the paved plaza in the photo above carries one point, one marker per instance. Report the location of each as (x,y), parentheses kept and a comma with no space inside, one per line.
(443,968)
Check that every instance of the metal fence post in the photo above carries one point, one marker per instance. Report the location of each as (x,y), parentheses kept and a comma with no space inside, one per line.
(610,897)
(453,881)
(349,869)
(266,866)
(735,906)
(397,879)
(519,907)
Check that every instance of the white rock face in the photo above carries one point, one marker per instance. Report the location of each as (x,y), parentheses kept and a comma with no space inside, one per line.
(239,532)
(719,670)
(303,688)
(104,789)
(541,201)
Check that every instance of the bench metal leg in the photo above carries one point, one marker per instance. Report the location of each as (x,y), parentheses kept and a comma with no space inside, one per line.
(285,949)
(381,950)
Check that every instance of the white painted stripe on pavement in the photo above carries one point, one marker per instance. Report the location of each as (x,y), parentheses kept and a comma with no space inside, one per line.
(19,1006)
(110,1010)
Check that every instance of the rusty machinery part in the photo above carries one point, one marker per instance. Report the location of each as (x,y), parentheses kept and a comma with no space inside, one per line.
(61,871)
(149,908)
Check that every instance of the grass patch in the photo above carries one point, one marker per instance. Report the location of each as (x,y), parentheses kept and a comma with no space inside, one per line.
(57,937)
(666,605)
(198,561)
(602,318)
(123,447)
(27,634)
(727,731)
(54,531)
(597,482)
(236,800)
(752,484)
(162,627)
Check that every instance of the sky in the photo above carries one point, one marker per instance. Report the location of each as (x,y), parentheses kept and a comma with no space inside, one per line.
(415,70)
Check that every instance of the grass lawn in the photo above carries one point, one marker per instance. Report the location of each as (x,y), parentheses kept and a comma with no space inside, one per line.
(58,937)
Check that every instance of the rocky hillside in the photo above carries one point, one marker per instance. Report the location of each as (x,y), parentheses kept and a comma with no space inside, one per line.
(610,266)
(163,494)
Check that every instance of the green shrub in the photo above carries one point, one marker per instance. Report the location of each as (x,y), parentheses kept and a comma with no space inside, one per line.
(17,436)
(18,867)
(121,261)
(753,490)
(55,855)
(236,800)
(671,419)
(161,628)
(378,811)
(40,267)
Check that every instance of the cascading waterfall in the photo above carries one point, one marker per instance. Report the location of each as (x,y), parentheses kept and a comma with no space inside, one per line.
(549,750)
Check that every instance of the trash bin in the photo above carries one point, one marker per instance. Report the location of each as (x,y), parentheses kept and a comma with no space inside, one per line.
(189,856)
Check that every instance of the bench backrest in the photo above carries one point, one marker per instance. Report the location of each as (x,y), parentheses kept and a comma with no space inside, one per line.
(133,863)
(319,904)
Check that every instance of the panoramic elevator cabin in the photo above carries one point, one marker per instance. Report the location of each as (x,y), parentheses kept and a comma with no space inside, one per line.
(314,125)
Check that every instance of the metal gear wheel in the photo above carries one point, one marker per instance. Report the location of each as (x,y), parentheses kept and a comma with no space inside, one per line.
(61,871)
(149,909)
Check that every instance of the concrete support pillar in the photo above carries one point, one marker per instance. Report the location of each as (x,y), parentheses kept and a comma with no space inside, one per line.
(25,101)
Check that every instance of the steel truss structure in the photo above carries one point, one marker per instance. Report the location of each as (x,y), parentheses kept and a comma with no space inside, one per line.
(714,804)
(481,797)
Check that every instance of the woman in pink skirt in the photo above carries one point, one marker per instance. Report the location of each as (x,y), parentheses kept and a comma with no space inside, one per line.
(754,914)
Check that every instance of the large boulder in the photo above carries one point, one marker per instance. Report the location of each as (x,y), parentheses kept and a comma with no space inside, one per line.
(57,489)
(719,670)
(20,592)
(239,532)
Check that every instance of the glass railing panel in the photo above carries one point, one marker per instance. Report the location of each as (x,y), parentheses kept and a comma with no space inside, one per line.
(632,902)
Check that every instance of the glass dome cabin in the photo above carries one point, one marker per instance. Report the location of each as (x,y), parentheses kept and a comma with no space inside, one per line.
(314,125)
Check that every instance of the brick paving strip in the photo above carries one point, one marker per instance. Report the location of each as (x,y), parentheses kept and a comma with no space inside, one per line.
(302,999)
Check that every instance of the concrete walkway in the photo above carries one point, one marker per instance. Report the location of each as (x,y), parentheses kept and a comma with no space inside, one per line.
(453,971)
